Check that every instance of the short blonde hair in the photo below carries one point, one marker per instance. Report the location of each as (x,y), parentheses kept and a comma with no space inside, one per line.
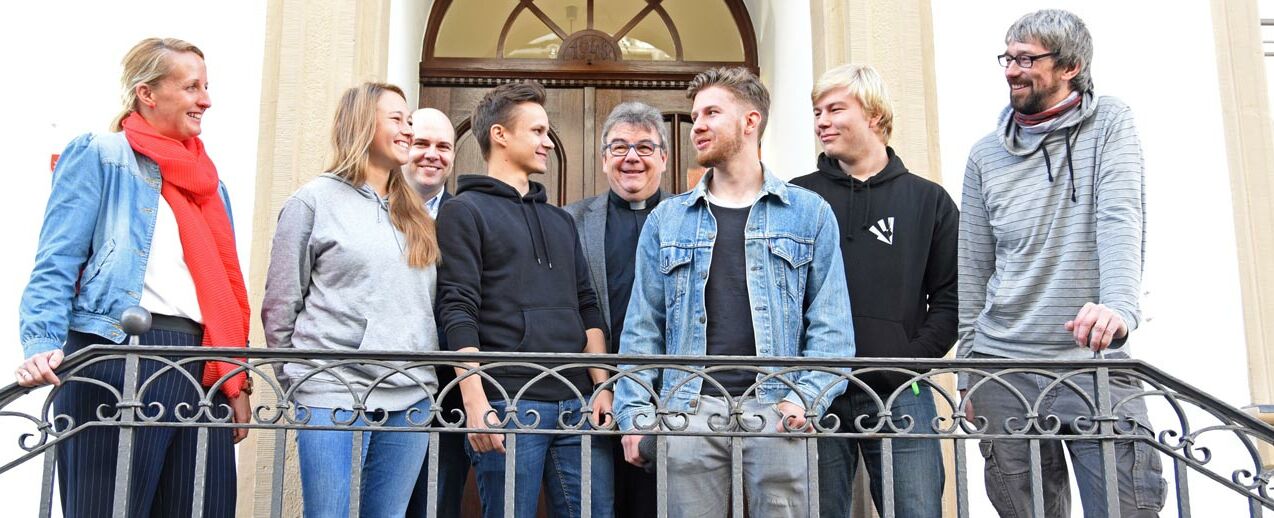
(866,85)
(147,64)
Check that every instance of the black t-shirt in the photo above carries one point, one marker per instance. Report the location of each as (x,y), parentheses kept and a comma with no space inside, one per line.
(729,310)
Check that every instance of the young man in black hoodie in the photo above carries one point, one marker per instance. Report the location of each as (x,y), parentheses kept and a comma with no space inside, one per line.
(513,278)
(899,246)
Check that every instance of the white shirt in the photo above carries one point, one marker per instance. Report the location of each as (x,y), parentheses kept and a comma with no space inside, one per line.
(168,288)
(432,204)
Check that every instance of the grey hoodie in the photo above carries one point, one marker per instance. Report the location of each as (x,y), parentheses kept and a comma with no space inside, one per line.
(339,281)
(1049,222)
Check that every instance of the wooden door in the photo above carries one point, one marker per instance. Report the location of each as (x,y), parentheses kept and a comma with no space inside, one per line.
(576,117)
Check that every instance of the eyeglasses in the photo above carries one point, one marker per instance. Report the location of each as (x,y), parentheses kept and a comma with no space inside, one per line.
(643,148)
(1023,60)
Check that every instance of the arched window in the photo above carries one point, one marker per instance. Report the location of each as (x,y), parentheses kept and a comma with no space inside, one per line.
(616,43)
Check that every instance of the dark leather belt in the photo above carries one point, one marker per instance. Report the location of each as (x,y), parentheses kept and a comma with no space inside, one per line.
(176,324)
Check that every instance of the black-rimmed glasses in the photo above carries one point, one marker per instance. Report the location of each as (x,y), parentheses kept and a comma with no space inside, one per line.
(1023,60)
(643,148)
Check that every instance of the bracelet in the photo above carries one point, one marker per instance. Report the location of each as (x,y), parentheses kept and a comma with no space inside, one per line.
(247,385)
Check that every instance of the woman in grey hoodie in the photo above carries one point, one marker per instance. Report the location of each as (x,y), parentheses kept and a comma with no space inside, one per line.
(352,268)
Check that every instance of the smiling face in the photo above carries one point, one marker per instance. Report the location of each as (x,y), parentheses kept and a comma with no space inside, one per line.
(391,143)
(526,142)
(634,177)
(720,122)
(175,106)
(842,126)
(432,151)
(1033,90)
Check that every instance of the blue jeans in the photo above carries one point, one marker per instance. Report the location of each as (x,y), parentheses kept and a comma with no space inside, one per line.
(917,463)
(391,462)
(551,459)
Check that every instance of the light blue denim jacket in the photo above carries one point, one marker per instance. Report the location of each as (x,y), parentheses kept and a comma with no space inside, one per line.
(796,286)
(97,232)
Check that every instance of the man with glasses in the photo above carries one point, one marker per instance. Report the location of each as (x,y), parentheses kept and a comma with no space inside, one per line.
(634,157)
(1050,263)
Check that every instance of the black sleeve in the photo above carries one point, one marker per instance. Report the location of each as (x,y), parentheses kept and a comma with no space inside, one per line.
(459,274)
(590,311)
(938,331)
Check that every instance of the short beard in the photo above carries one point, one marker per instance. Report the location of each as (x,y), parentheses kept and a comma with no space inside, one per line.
(1033,103)
(721,155)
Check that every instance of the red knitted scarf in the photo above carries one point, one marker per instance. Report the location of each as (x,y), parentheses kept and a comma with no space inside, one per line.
(1047,115)
(191,188)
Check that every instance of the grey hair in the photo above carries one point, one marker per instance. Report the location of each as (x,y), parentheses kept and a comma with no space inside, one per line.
(637,114)
(1063,33)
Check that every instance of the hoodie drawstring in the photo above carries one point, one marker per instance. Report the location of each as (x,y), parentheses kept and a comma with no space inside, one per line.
(1070,164)
(867,211)
(531,233)
(548,256)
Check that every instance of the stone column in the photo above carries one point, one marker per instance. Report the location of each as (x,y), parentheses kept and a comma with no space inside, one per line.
(1249,143)
(897,39)
(315,49)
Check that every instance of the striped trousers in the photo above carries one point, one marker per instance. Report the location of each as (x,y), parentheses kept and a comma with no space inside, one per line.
(162,475)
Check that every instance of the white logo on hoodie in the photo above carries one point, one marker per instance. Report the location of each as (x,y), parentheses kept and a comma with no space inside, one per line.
(884,230)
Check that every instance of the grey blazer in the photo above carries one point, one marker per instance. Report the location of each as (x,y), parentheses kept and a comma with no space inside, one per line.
(590,221)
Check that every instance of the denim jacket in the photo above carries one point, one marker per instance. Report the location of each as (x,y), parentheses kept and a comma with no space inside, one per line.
(91,260)
(796,286)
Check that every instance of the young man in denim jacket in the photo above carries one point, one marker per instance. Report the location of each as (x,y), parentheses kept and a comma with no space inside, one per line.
(743,265)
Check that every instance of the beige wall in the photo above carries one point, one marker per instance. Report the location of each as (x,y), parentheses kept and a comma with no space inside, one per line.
(315,49)
(897,39)
(1250,152)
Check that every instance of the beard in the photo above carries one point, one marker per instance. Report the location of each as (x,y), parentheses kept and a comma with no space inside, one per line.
(724,147)
(1033,102)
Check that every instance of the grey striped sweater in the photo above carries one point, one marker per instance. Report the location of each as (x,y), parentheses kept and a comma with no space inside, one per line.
(1029,256)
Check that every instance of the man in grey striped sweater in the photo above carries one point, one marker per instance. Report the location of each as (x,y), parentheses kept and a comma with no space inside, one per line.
(1050,263)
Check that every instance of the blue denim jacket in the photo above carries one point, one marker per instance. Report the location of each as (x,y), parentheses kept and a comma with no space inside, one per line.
(97,232)
(796,285)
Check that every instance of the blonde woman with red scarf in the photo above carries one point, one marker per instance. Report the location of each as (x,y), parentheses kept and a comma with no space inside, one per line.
(139,217)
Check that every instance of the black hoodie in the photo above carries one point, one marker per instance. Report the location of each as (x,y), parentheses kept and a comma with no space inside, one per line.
(513,278)
(898,241)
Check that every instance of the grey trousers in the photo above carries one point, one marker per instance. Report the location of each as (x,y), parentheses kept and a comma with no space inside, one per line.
(775,469)
(1008,478)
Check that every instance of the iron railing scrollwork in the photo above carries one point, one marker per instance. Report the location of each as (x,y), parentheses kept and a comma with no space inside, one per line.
(1200,422)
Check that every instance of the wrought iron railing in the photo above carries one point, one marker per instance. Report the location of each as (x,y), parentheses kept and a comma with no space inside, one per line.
(1199,418)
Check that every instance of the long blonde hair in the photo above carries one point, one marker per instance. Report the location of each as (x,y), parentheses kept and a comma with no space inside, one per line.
(353,130)
(147,64)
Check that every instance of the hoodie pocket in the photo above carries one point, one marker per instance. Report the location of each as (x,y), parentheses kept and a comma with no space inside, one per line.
(879,338)
(554,329)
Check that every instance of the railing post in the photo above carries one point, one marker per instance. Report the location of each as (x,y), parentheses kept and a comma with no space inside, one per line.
(124,458)
(661,475)
(962,479)
(431,499)
(46,486)
(811,468)
(135,321)
(1106,426)
(510,471)
(1183,488)
(586,475)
